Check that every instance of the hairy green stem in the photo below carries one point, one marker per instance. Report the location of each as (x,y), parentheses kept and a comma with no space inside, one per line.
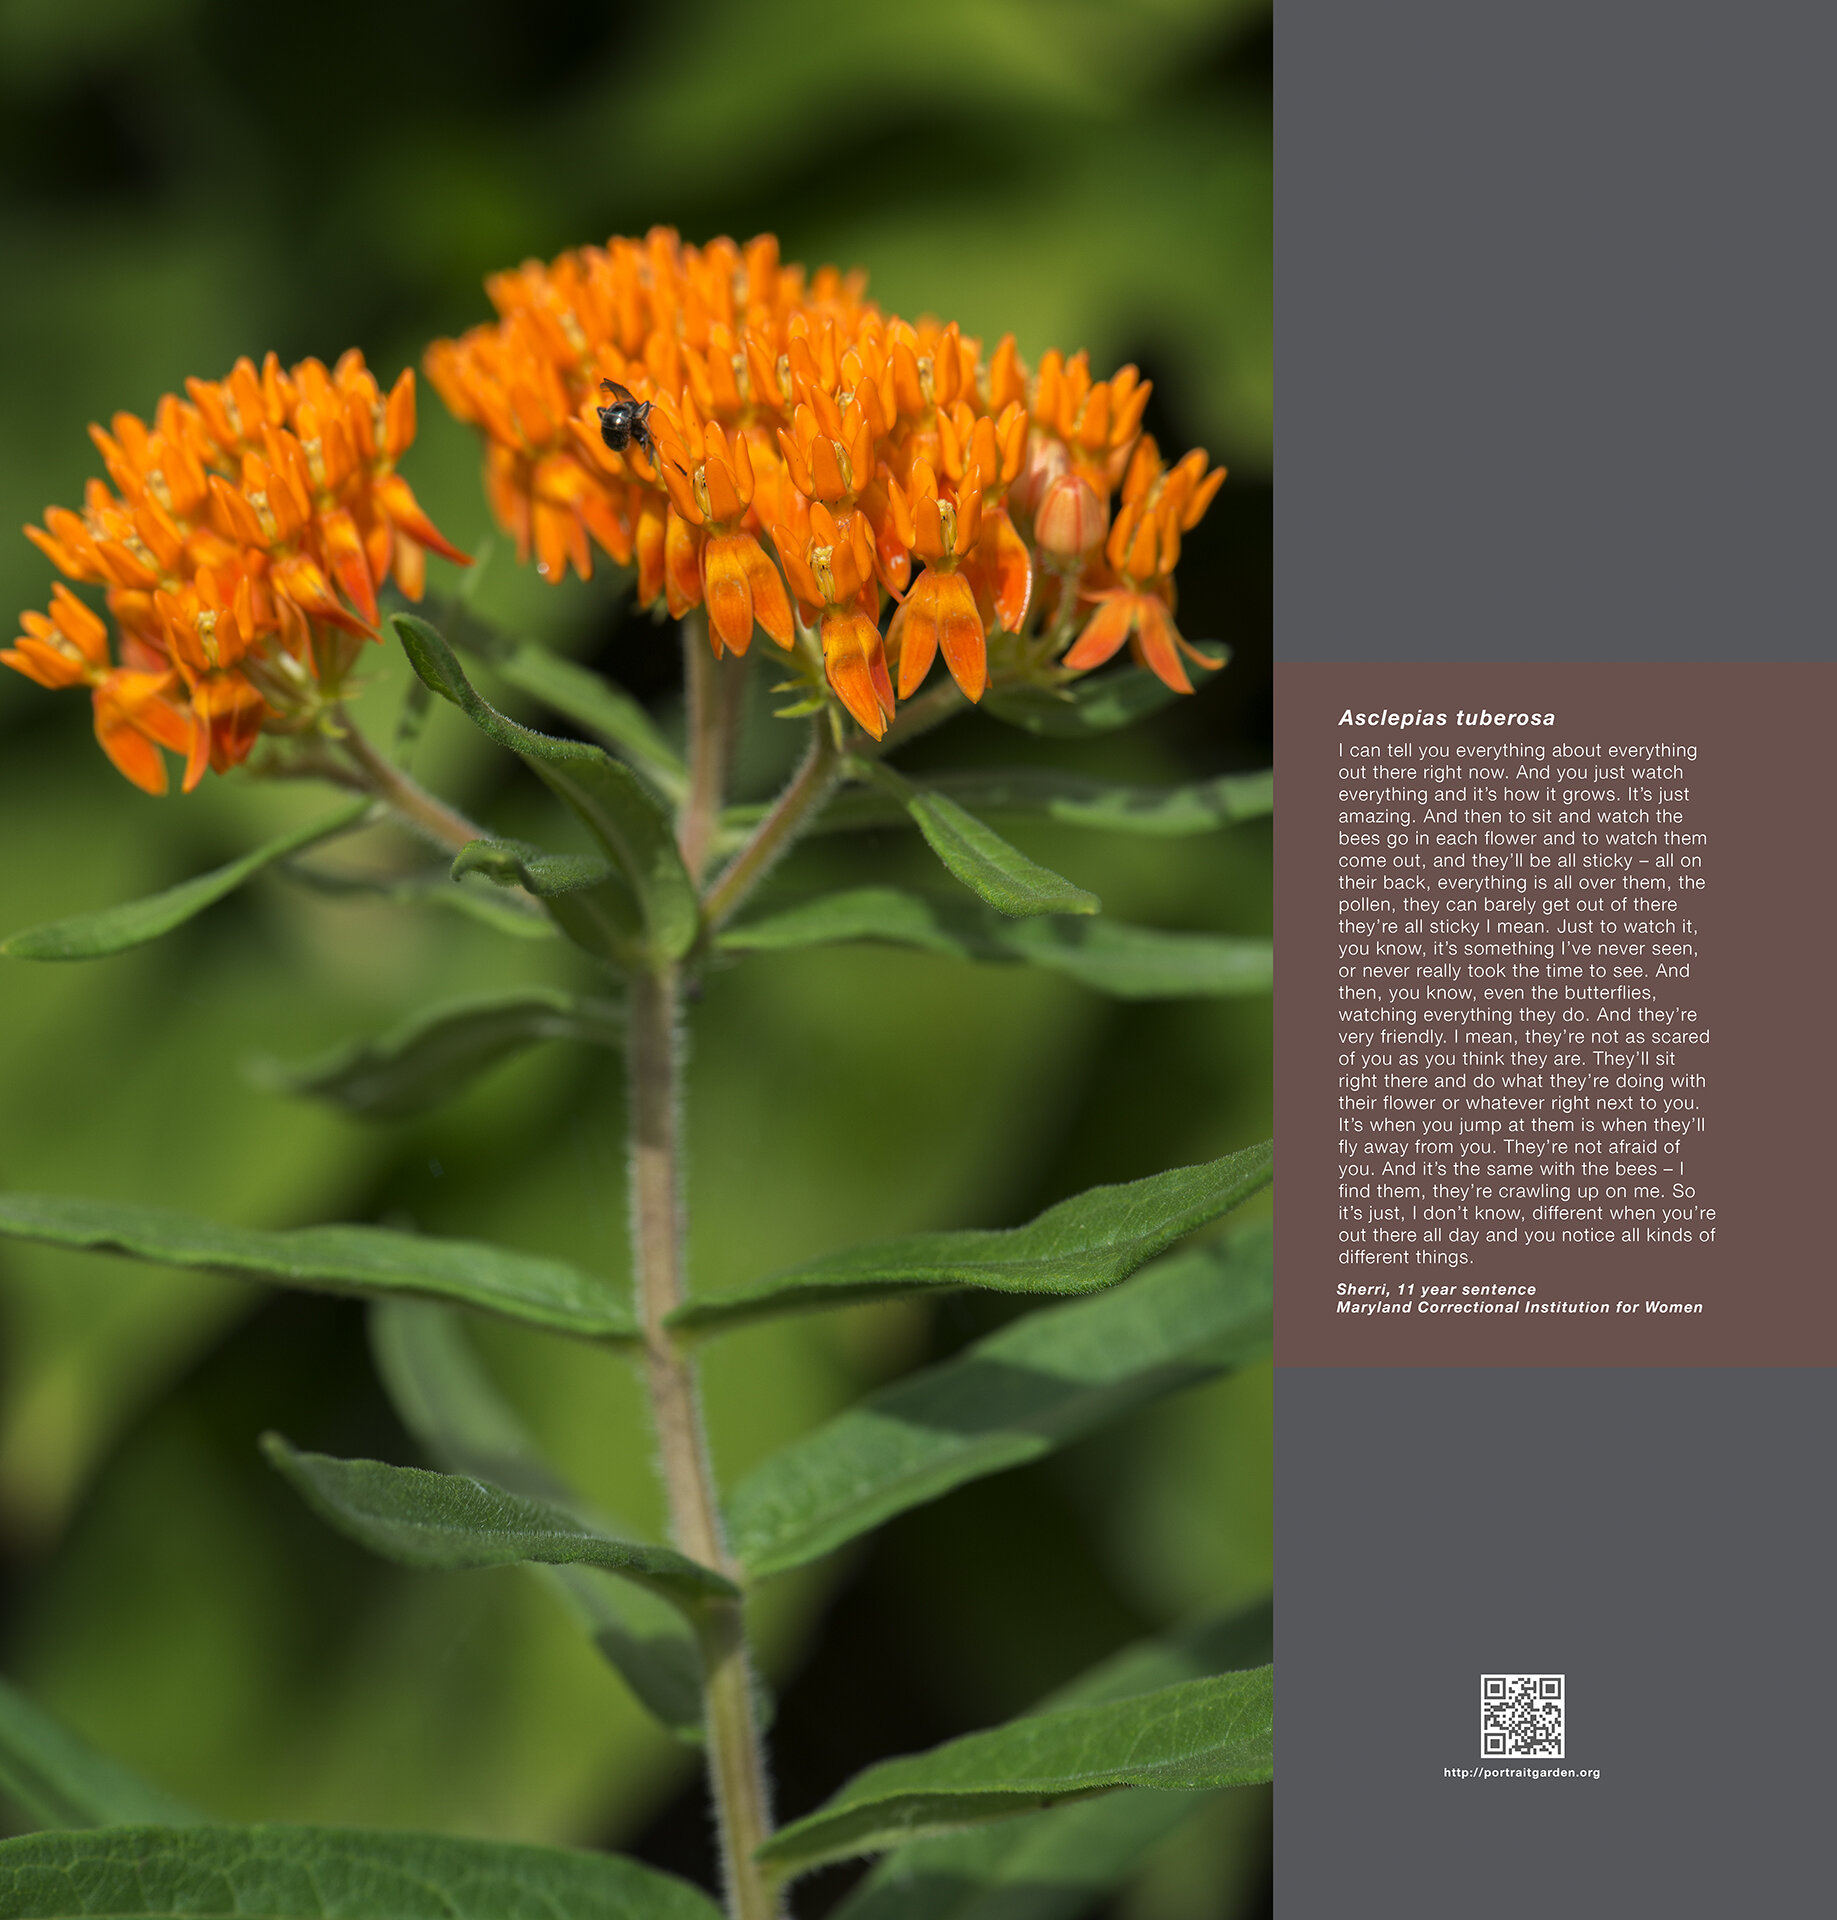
(713,689)
(792,809)
(736,1760)
(379,775)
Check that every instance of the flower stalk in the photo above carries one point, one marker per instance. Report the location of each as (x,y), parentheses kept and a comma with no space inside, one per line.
(377,774)
(714,689)
(793,810)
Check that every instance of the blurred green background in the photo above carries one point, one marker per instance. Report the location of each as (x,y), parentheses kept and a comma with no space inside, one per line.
(182,181)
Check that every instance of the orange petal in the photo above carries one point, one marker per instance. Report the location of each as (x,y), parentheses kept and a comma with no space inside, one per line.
(44,662)
(79,625)
(648,548)
(682,566)
(856,666)
(1000,572)
(399,420)
(1154,645)
(397,500)
(771,604)
(409,560)
(350,565)
(728,591)
(797,567)
(133,754)
(301,581)
(960,635)
(913,635)
(1104,633)
(826,470)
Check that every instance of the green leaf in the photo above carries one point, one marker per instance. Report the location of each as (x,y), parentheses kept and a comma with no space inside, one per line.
(581,893)
(88,936)
(1068,798)
(1108,956)
(1080,1246)
(1022,1392)
(614,805)
(577,693)
(994,871)
(435,888)
(454,1524)
(1055,1865)
(441,1050)
(59,1780)
(443,1398)
(1214,1732)
(1087,706)
(335,1259)
(991,869)
(324,1873)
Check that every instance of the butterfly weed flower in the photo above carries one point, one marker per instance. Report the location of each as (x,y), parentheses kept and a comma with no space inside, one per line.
(1142,551)
(239,551)
(987,499)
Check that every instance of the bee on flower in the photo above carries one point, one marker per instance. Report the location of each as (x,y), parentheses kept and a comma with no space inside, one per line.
(980,490)
(776,451)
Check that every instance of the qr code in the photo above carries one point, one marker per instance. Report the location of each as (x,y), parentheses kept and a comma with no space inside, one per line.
(1521,1716)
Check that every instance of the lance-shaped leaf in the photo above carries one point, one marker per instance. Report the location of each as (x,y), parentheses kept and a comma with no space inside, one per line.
(577,693)
(454,1524)
(443,1398)
(433,887)
(1071,799)
(1129,963)
(1055,1865)
(339,1259)
(612,802)
(1087,706)
(584,895)
(1036,1384)
(1083,1244)
(1214,1732)
(441,1050)
(324,1873)
(88,936)
(59,1780)
(994,871)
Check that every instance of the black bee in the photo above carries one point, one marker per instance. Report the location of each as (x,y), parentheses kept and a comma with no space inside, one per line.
(626,421)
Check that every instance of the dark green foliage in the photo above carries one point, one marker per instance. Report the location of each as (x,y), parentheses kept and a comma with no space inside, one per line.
(621,813)
(1082,1244)
(360,1260)
(59,1780)
(454,1524)
(90,936)
(1037,1384)
(323,1873)
(1132,963)
(438,1052)
(1196,1733)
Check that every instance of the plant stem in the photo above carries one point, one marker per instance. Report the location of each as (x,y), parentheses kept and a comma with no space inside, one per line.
(809,788)
(736,1761)
(377,774)
(714,688)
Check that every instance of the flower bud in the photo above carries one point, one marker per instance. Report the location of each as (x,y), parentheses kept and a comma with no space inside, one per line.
(1071,520)
(1046,459)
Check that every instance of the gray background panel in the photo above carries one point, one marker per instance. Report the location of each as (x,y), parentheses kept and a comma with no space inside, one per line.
(1555,299)
(1662,1537)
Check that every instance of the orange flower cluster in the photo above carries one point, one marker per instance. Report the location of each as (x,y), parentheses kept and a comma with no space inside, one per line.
(240,551)
(786,407)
